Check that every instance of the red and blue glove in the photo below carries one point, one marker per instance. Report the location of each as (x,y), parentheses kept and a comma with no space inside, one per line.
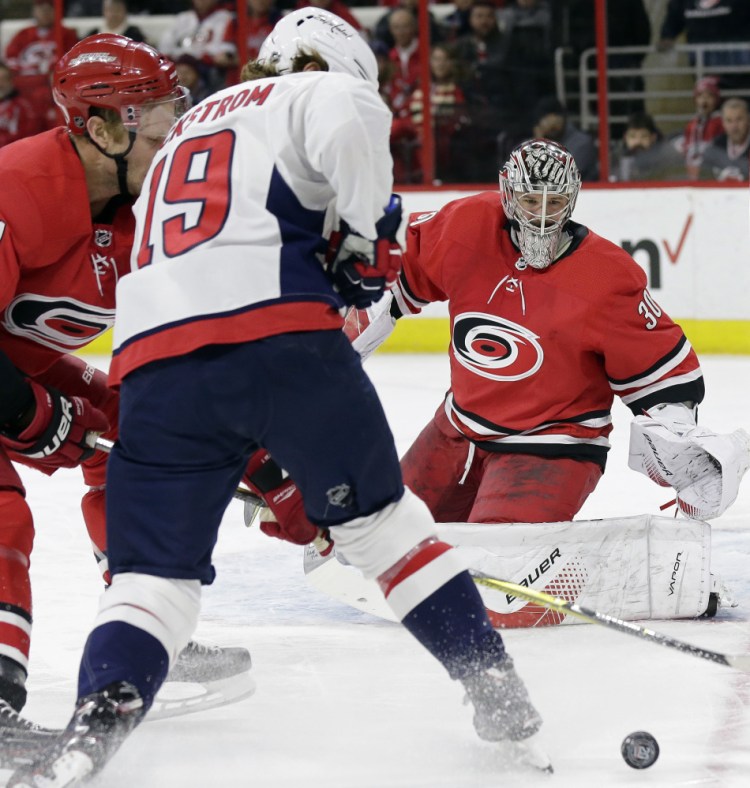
(360,269)
(280,494)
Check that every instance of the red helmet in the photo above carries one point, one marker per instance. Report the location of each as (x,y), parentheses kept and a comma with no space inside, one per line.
(112,72)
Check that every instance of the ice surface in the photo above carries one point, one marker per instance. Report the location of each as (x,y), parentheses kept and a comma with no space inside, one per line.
(345,700)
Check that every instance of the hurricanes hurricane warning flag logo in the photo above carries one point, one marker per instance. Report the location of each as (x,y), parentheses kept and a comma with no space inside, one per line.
(495,348)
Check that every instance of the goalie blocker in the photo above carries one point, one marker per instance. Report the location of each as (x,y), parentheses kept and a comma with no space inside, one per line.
(634,568)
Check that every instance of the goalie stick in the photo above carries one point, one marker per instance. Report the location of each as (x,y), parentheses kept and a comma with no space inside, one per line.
(737,661)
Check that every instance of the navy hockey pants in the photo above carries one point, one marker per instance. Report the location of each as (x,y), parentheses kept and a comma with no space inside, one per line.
(189,424)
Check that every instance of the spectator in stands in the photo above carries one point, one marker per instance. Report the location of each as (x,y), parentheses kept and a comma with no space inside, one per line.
(704,126)
(17,116)
(202,33)
(551,122)
(527,27)
(726,158)
(191,75)
(644,155)
(92,7)
(385,69)
(115,20)
(628,25)
(31,54)
(448,113)
(404,57)
(382,30)
(714,22)
(338,7)
(482,58)
(262,15)
(456,23)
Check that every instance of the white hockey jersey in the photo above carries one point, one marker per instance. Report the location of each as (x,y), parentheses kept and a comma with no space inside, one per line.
(231,222)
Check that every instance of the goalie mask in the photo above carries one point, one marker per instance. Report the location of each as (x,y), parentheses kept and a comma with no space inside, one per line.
(313,29)
(539,185)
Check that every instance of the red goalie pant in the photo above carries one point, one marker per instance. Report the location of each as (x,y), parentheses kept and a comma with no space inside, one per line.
(498,487)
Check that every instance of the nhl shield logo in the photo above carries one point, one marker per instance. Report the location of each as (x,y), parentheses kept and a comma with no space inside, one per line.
(103,238)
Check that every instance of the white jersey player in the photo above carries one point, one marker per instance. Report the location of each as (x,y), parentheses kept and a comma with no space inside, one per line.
(230,339)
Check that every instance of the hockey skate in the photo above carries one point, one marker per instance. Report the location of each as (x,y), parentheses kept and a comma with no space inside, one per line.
(100,724)
(204,677)
(503,713)
(20,738)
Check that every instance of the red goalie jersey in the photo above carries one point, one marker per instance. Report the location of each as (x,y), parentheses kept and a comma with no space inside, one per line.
(538,355)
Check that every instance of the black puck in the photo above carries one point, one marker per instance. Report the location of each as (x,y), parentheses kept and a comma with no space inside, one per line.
(640,750)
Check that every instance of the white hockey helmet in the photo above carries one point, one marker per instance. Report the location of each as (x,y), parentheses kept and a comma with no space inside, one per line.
(542,168)
(335,40)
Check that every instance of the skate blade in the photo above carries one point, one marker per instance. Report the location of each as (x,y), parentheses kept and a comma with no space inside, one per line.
(176,698)
(527,755)
(71,768)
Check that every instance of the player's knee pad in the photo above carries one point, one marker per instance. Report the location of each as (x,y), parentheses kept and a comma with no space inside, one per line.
(399,547)
(16,526)
(166,608)
(93,506)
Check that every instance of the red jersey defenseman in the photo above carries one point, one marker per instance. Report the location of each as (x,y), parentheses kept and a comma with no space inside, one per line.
(549,322)
(66,233)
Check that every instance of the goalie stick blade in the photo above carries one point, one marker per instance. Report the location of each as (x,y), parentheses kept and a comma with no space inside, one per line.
(17,751)
(177,698)
(737,661)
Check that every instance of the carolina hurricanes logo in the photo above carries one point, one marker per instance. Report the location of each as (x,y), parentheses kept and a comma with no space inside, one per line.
(60,323)
(495,348)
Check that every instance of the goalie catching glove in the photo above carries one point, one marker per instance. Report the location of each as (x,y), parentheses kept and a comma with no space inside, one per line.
(705,469)
(54,435)
(361,269)
(284,518)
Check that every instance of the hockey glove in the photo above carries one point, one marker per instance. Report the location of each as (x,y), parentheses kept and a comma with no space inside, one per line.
(284,501)
(56,435)
(360,269)
(704,468)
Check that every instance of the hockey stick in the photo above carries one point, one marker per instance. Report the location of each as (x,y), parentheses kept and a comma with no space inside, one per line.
(737,661)
(241,493)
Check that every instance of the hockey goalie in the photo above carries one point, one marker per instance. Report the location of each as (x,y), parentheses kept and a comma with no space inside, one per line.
(549,322)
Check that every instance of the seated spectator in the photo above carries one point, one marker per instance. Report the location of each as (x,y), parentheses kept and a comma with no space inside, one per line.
(527,27)
(191,75)
(404,57)
(704,126)
(448,114)
(382,29)
(482,58)
(385,69)
(456,23)
(31,53)
(644,155)
(17,116)
(551,122)
(115,20)
(202,33)
(711,22)
(262,15)
(726,157)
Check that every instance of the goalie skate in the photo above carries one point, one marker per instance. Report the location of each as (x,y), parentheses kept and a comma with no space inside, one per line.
(100,724)
(503,713)
(202,678)
(20,739)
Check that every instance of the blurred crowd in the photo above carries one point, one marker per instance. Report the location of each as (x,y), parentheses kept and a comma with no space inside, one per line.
(492,77)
